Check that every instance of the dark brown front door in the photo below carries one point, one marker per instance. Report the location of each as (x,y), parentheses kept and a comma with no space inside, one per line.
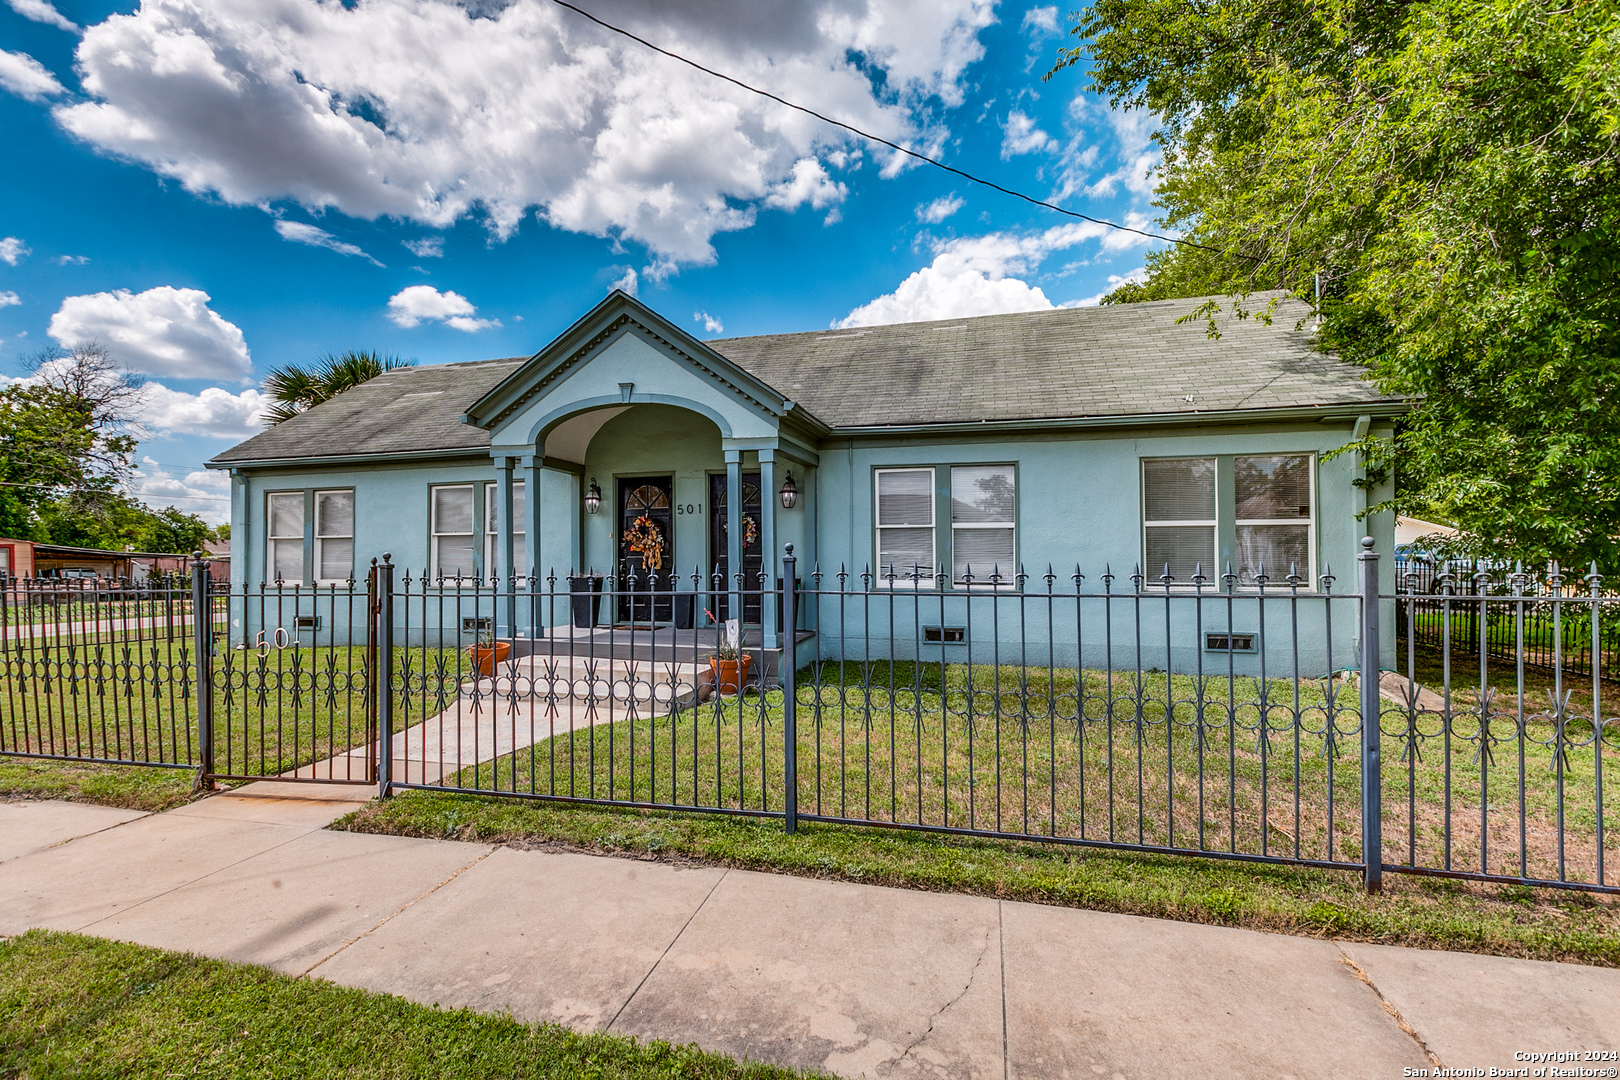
(646,548)
(752,549)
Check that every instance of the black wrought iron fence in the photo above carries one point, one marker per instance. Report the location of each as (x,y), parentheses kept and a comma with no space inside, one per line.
(98,669)
(1529,625)
(1213,716)
(1499,717)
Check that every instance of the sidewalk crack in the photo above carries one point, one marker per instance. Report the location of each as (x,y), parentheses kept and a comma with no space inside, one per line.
(984,951)
(391,916)
(1389,1007)
(665,953)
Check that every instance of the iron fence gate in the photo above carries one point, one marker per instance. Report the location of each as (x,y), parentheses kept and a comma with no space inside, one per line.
(1210,716)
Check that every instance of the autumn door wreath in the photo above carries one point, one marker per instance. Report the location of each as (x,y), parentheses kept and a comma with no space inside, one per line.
(647,540)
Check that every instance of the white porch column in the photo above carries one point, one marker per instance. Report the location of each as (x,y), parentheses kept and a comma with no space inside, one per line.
(767,541)
(533,479)
(734,531)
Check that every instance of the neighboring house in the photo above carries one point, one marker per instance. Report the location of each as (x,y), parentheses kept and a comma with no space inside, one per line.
(26,558)
(1101,439)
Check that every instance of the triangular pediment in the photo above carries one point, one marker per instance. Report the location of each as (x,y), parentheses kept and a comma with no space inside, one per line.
(594,337)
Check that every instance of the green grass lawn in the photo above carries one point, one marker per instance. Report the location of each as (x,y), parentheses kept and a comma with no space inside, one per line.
(134,787)
(82,1007)
(1426,913)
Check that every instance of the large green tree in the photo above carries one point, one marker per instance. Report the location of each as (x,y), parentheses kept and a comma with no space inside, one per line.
(294,388)
(66,453)
(1449,172)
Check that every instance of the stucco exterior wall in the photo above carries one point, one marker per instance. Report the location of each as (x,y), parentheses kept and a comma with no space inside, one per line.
(1078,504)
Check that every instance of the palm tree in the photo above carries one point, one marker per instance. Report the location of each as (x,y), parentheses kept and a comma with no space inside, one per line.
(295,388)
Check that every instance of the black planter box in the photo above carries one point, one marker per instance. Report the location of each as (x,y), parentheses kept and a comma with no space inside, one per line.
(586,599)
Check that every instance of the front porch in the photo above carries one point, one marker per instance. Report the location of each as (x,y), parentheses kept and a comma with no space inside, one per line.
(636,457)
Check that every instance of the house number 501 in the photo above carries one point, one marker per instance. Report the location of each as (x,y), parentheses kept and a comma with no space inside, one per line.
(688,508)
(282,641)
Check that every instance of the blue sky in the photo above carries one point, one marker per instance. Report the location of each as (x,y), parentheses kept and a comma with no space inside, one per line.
(212,188)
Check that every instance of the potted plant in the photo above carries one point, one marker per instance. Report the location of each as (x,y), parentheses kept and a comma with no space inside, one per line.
(728,667)
(487,652)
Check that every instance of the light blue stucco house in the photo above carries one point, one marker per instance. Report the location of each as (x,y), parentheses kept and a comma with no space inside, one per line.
(941,458)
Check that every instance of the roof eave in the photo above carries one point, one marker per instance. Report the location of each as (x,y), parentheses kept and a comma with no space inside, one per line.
(1311,413)
(350,459)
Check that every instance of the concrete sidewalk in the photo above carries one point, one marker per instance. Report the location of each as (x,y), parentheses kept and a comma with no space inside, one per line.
(854,979)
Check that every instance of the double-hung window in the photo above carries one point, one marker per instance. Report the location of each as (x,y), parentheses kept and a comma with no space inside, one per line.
(1274,522)
(454,548)
(284,537)
(1178,518)
(492,529)
(983,498)
(905,526)
(1259,515)
(334,536)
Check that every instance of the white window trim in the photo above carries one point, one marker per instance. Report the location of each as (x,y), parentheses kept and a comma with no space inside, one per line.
(1308,575)
(270,538)
(317,563)
(1212,577)
(881,579)
(1009,579)
(492,532)
(434,563)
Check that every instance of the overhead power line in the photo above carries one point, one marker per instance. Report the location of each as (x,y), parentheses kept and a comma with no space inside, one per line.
(880,139)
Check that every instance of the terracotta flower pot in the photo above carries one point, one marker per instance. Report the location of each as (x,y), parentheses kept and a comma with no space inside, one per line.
(730,676)
(485,658)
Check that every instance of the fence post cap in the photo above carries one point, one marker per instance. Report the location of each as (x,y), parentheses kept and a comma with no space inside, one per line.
(789,549)
(1367,543)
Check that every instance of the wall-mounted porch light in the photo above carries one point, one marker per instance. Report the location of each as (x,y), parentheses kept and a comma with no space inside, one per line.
(593,498)
(790,491)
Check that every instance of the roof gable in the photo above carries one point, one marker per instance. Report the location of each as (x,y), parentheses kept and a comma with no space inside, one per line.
(617,315)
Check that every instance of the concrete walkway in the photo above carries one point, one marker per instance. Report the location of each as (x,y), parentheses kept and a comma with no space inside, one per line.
(854,979)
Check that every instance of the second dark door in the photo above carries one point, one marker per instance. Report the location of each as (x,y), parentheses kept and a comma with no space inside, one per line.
(752,551)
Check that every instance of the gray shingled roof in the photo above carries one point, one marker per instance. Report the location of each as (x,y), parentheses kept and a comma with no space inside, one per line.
(408,410)
(1121,360)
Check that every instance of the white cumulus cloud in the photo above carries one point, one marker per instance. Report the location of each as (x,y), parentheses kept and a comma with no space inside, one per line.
(300,233)
(162,331)
(13,251)
(626,282)
(978,276)
(809,183)
(1041,20)
(428,247)
(41,11)
(204,492)
(941,208)
(711,324)
(9,299)
(429,111)
(1021,136)
(215,413)
(419,303)
(27,78)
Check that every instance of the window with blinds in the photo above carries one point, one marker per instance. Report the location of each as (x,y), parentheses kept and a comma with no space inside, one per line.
(334,536)
(905,527)
(284,536)
(1178,519)
(983,500)
(453,549)
(492,529)
(1274,494)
